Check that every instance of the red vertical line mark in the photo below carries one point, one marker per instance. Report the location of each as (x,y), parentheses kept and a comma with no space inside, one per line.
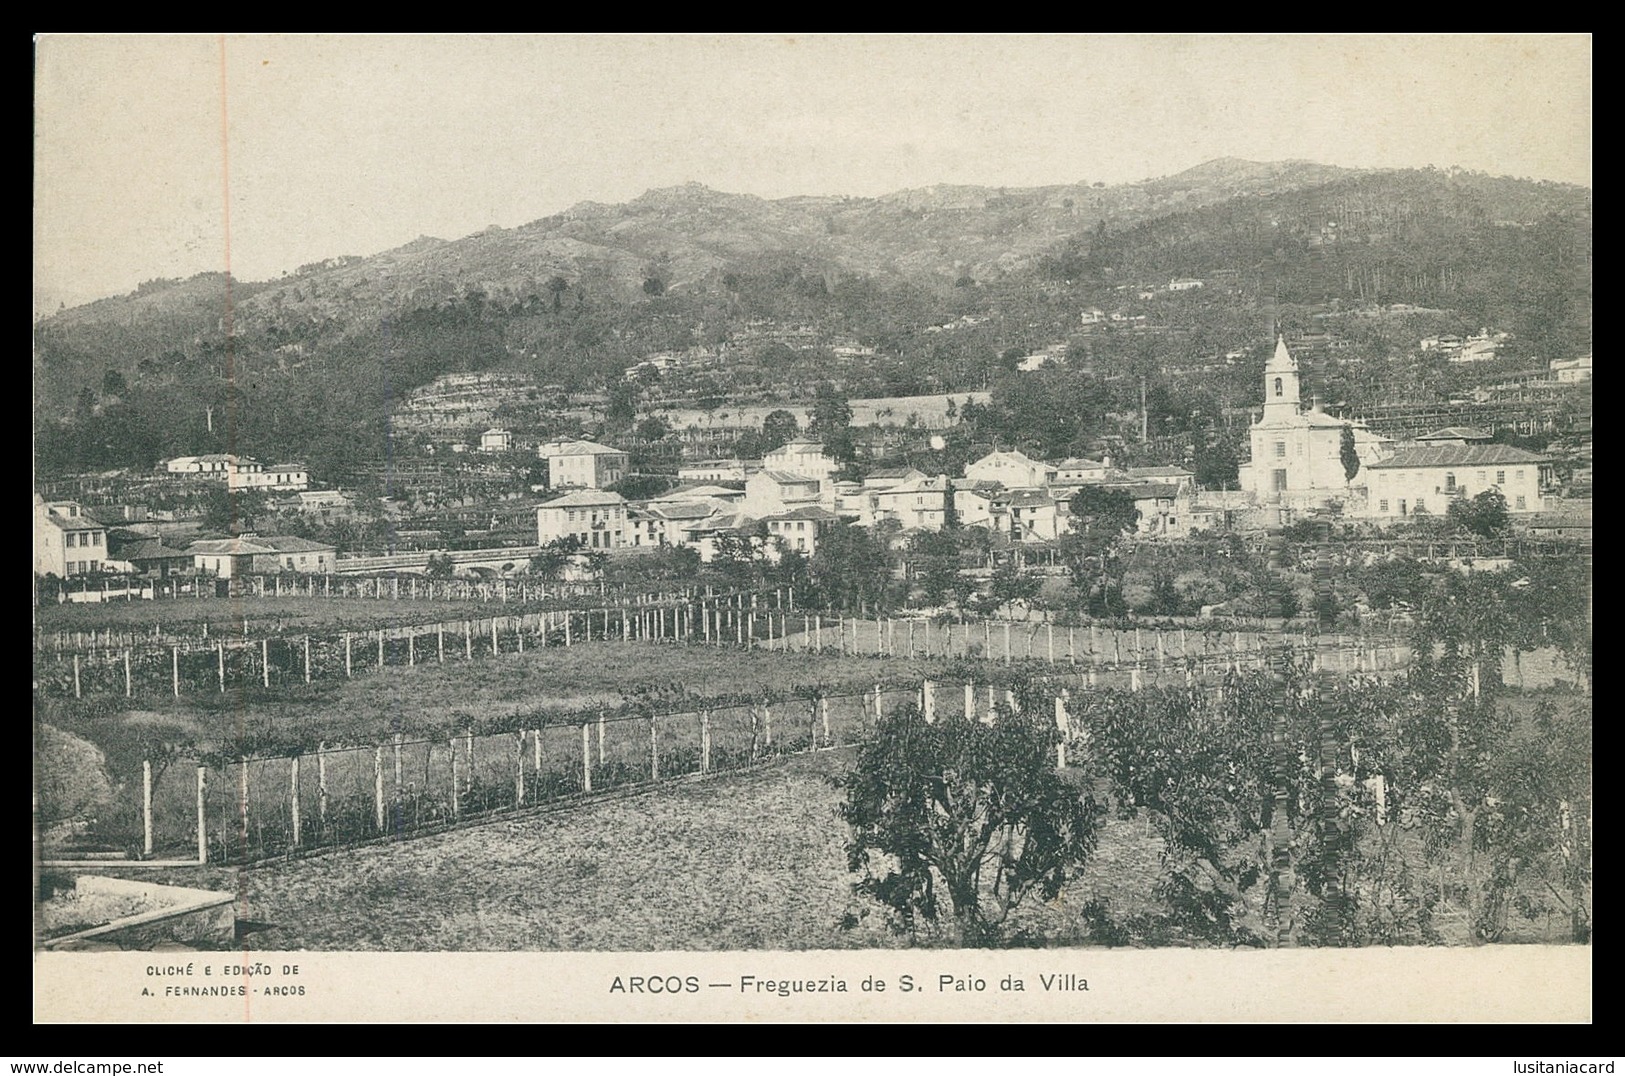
(230,420)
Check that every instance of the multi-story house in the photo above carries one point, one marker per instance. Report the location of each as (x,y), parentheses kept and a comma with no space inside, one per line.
(1428,479)
(583,464)
(67,539)
(597,518)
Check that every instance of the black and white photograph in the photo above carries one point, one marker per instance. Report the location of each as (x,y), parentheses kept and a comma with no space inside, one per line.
(995,527)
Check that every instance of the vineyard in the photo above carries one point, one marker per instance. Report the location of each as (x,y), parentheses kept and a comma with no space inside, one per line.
(182,662)
(1295,787)
(1271,808)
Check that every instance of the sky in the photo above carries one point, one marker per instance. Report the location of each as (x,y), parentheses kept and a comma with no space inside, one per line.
(165,156)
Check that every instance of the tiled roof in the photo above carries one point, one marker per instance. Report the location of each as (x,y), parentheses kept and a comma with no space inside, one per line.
(682,510)
(1457,433)
(148,549)
(786,478)
(84,521)
(581,448)
(284,543)
(1148,490)
(809,512)
(584,498)
(1457,456)
(229,547)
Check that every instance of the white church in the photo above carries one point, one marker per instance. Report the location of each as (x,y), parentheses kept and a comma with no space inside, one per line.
(1297,459)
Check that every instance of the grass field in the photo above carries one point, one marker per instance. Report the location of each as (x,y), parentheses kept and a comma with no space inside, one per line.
(753,861)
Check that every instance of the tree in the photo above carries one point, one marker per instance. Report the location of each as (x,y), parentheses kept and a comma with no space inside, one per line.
(1099,518)
(1485,515)
(113,383)
(557,286)
(641,487)
(739,556)
(652,429)
(851,568)
(832,420)
(1346,453)
(1216,465)
(621,408)
(934,563)
(1007,586)
(439,566)
(555,557)
(778,428)
(967,818)
(232,510)
(1101,515)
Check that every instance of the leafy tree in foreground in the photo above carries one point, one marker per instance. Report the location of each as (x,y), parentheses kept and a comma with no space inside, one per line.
(962,819)
(1485,515)
(555,557)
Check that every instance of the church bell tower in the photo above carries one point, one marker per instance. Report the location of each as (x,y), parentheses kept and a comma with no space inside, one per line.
(1280,385)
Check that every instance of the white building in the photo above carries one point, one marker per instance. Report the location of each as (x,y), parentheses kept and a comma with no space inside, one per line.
(597,518)
(242,472)
(1572,371)
(717,471)
(1297,454)
(920,504)
(770,492)
(798,531)
(802,457)
(1078,469)
(1013,470)
(1428,479)
(67,539)
(583,464)
(496,439)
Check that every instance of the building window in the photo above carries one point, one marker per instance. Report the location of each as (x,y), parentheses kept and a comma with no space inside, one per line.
(1402,506)
(96,538)
(1521,504)
(1278,386)
(1382,506)
(71,540)
(1449,482)
(1421,505)
(94,565)
(1520,474)
(1480,477)
(1280,450)
(1500,478)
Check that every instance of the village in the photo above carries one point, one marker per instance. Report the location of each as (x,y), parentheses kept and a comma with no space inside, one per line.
(1305,466)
